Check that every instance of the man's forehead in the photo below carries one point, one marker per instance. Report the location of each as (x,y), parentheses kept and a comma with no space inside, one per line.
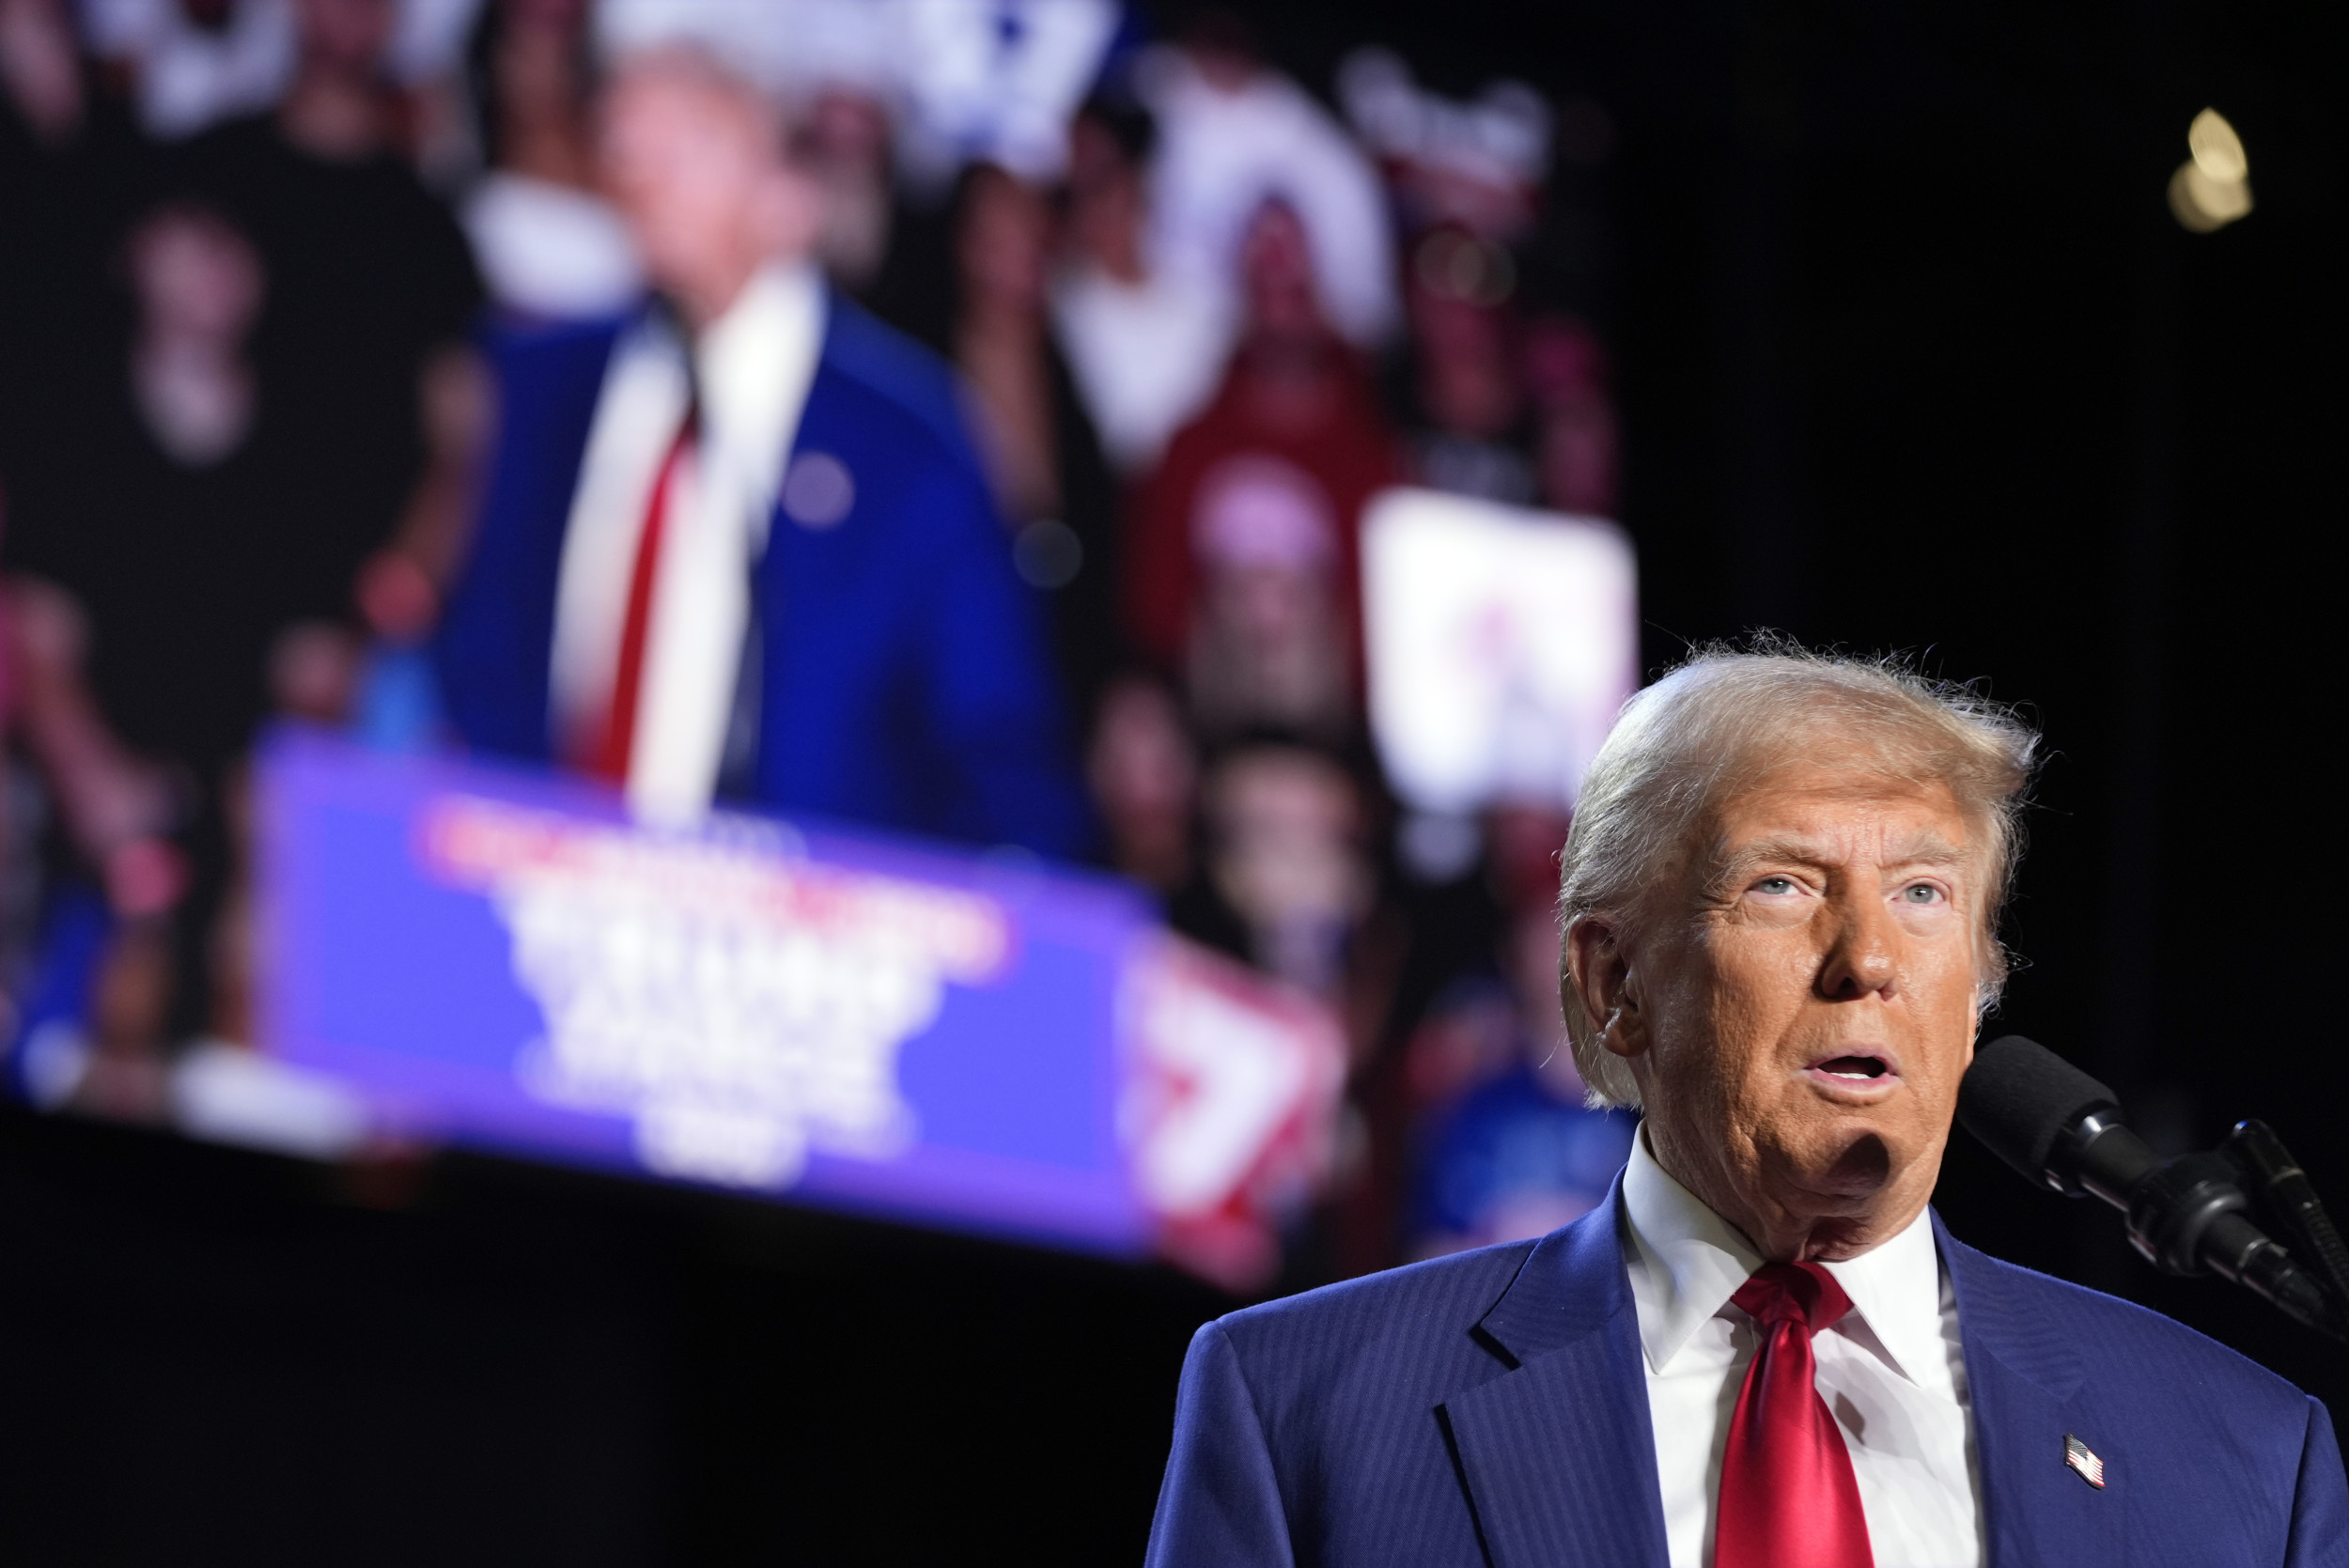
(1829,814)
(1888,842)
(688,76)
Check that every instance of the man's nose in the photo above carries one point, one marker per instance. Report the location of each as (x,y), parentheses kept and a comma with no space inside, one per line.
(1859,961)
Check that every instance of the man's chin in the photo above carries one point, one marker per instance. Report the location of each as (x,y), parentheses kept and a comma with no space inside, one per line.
(1864,1168)
(1859,1184)
(1840,1170)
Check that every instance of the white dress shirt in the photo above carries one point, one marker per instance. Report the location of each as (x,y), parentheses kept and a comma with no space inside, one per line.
(752,366)
(1892,1373)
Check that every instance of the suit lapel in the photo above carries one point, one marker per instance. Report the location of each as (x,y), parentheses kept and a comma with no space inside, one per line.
(2022,1380)
(1557,1454)
(762,694)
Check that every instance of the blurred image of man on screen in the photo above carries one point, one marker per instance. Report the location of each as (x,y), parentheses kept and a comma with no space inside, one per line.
(736,545)
(1780,898)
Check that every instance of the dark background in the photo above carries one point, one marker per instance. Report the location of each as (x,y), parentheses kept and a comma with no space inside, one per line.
(1912,356)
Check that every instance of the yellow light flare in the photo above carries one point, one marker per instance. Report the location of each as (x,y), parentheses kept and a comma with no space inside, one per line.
(2218,150)
(2212,188)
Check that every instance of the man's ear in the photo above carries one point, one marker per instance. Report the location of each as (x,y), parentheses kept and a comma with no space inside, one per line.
(1598,970)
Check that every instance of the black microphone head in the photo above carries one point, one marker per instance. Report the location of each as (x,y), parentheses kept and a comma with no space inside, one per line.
(2018,1097)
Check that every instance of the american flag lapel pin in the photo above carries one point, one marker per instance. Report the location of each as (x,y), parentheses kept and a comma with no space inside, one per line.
(2083,1462)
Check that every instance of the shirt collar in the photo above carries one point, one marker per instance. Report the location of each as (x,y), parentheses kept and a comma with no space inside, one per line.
(752,365)
(1693,1260)
(1895,1290)
(1690,1262)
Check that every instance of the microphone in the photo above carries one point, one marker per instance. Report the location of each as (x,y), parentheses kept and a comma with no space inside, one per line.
(2058,1126)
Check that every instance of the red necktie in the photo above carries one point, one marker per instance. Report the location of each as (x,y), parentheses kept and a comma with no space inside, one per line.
(618,741)
(1788,1497)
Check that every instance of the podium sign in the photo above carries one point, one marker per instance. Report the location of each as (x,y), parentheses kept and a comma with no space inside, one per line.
(499,959)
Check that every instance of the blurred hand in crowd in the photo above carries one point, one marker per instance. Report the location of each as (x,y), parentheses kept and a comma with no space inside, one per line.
(313,670)
(116,807)
(694,159)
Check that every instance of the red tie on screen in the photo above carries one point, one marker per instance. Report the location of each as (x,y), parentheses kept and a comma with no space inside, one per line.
(619,740)
(1788,1496)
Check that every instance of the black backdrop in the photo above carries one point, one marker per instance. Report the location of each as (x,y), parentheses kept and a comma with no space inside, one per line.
(1912,356)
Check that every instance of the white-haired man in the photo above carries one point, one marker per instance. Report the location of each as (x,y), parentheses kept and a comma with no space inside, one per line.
(1780,898)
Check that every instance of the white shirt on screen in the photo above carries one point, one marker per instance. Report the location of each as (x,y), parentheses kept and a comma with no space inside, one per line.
(1145,356)
(754,365)
(550,251)
(1892,1372)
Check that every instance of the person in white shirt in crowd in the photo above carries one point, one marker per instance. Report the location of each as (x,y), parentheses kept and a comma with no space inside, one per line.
(549,247)
(1146,342)
(192,65)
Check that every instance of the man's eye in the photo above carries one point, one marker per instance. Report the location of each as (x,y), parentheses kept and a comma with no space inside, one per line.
(1775,885)
(1921,892)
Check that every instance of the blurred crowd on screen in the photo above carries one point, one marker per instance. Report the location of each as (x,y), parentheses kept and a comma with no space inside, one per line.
(262,262)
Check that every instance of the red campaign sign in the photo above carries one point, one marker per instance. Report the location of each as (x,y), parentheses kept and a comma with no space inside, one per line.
(1232,1105)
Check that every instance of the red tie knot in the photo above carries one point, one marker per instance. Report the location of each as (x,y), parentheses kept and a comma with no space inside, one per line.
(1799,1293)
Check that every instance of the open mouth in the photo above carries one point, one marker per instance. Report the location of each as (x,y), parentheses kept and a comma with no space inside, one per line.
(1858,1068)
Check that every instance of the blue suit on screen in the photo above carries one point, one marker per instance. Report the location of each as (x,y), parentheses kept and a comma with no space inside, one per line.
(905,679)
(1490,1409)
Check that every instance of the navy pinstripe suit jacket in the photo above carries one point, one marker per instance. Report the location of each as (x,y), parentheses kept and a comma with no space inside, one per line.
(1490,1409)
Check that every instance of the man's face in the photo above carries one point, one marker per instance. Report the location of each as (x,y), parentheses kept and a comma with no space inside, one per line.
(696,171)
(1800,1012)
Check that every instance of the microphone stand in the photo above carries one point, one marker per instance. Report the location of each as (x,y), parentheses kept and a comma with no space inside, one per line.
(2219,1212)
(2286,1199)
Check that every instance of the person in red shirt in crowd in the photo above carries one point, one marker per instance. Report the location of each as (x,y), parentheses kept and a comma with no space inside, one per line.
(1270,478)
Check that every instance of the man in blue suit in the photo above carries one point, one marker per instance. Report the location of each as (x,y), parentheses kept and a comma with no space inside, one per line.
(737,546)
(1780,900)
